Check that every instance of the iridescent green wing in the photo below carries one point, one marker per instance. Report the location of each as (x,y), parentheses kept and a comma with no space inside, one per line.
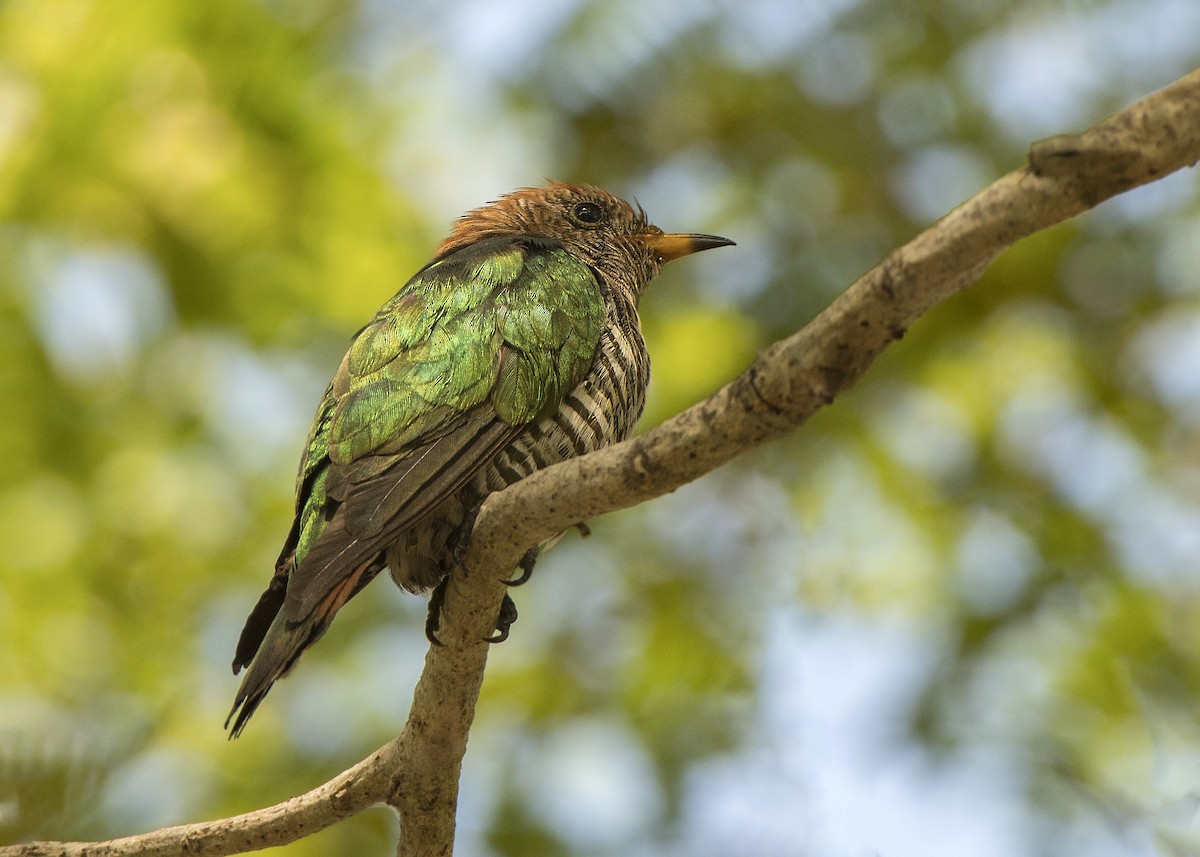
(311,500)
(476,346)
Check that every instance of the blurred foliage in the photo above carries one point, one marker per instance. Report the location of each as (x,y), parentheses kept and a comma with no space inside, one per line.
(994,540)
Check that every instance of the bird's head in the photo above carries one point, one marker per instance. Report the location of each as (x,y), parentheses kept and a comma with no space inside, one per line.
(605,231)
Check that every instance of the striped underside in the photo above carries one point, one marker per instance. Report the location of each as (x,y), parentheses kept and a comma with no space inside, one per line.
(600,411)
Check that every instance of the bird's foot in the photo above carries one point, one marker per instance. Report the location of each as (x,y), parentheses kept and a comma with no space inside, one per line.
(433,618)
(526,565)
(584,529)
(461,540)
(508,615)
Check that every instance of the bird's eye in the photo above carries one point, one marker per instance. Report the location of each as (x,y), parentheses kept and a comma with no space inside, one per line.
(588,213)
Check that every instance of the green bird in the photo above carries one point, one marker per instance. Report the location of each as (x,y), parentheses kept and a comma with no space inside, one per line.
(518,346)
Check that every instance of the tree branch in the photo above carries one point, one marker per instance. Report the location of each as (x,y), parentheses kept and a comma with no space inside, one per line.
(417,774)
(346,794)
(797,376)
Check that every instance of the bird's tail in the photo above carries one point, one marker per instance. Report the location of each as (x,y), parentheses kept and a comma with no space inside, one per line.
(284,643)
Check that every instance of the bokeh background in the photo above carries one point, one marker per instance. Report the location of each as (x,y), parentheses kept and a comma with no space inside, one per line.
(957,613)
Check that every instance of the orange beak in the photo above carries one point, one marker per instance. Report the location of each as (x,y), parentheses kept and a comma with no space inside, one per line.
(668,246)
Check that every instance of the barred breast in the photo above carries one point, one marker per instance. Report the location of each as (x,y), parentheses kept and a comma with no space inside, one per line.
(601,411)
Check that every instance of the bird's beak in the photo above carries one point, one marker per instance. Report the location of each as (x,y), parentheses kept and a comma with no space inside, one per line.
(668,246)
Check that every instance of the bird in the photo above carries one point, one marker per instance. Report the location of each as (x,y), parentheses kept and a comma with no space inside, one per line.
(517,346)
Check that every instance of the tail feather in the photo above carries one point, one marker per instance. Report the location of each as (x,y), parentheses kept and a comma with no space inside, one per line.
(283,644)
(261,618)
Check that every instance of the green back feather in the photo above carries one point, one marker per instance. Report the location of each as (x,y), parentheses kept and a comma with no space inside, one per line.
(509,326)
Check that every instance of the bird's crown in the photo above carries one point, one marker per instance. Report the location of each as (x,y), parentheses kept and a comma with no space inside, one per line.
(559,210)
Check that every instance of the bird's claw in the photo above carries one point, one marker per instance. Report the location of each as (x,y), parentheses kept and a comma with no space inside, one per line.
(504,621)
(433,617)
(508,615)
(584,529)
(526,565)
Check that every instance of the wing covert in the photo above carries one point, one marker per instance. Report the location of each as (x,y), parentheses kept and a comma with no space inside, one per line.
(476,346)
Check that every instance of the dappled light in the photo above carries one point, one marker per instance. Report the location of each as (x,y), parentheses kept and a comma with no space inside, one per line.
(955,614)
